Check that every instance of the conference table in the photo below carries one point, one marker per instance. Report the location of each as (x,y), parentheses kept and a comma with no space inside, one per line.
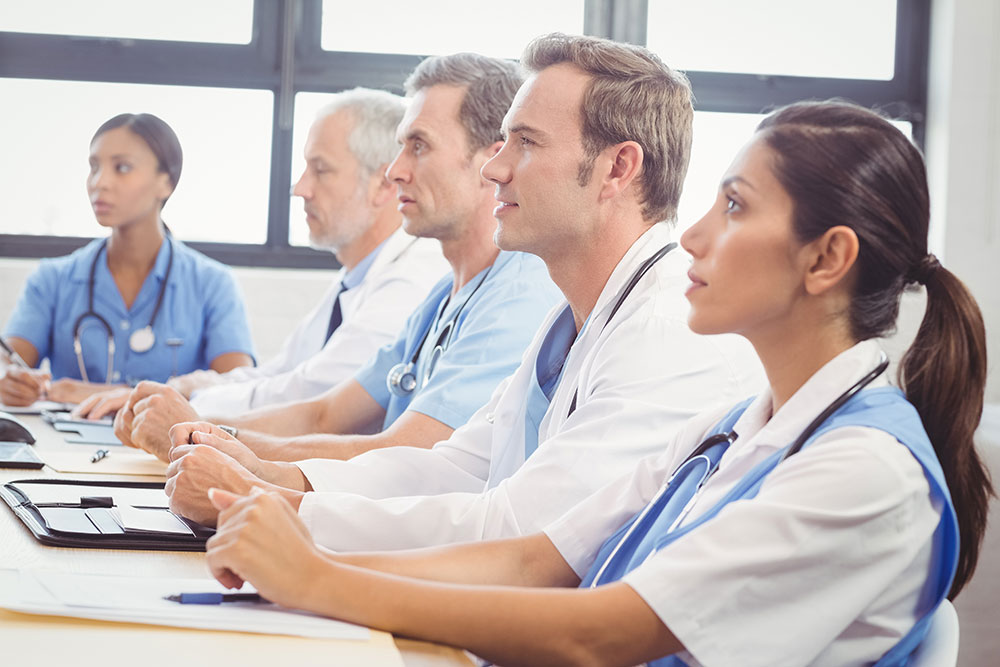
(28,639)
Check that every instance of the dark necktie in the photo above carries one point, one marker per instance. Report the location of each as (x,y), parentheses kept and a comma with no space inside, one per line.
(335,315)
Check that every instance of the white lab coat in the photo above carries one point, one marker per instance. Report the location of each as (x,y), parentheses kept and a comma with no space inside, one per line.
(639,379)
(373,313)
(826,566)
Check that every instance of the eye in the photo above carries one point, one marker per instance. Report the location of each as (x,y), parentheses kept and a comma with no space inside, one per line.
(419,146)
(732,206)
(123,167)
(525,141)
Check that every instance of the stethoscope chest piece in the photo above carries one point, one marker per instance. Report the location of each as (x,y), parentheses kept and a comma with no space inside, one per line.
(142,340)
(402,379)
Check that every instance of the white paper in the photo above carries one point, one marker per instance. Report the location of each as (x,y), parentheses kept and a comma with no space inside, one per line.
(37,407)
(140,600)
(150,520)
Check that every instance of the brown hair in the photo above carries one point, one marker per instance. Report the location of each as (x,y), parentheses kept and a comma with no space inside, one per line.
(490,85)
(632,96)
(845,165)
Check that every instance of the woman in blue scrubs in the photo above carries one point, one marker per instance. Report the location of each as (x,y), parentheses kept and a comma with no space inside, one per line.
(822,522)
(135,305)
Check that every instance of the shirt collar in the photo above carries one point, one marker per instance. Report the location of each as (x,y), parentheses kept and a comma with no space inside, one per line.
(818,392)
(85,260)
(356,275)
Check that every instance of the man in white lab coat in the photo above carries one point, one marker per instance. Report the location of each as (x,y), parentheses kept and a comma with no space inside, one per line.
(596,149)
(350,209)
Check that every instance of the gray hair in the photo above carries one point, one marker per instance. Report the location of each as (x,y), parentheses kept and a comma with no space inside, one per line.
(490,85)
(375,114)
(632,96)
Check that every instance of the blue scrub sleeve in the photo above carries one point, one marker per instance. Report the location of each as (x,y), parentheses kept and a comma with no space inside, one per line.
(488,346)
(226,328)
(372,375)
(34,314)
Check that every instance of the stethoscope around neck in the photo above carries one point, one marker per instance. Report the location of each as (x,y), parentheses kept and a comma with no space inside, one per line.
(141,340)
(402,378)
(730,437)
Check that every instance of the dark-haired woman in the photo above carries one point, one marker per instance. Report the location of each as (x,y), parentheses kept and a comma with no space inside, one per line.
(814,526)
(135,305)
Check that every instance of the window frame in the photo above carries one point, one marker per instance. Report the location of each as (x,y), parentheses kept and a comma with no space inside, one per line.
(285,56)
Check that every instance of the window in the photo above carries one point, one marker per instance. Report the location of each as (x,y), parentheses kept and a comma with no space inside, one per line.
(436,27)
(222,21)
(240,81)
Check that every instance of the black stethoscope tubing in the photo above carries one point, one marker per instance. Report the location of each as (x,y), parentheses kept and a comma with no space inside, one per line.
(633,281)
(90,312)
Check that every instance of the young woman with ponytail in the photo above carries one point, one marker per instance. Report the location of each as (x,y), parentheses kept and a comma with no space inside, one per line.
(813,524)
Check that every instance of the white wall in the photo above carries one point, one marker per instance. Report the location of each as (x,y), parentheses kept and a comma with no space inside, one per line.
(963,153)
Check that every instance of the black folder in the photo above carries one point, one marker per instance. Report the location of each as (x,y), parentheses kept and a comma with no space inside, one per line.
(102,515)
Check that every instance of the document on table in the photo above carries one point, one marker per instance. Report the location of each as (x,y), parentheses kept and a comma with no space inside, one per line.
(140,600)
(36,407)
(121,461)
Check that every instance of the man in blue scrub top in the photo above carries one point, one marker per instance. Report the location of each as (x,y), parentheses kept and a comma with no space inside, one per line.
(461,341)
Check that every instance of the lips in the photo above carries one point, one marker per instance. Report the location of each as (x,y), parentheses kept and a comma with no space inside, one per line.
(101,206)
(695,280)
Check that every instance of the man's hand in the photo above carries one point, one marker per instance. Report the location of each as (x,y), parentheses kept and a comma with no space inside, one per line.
(145,419)
(102,403)
(204,456)
(22,386)
(261,539)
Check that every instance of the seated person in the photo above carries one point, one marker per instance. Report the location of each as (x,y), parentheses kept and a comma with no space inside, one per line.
(350,208)
(616,357)
(135,305)
(466,336)
(816,526)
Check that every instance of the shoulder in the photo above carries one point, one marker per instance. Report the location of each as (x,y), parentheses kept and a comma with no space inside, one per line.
(520,277)
(194,265)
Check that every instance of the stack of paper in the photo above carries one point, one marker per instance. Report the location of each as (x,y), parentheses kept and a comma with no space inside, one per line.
(141,600)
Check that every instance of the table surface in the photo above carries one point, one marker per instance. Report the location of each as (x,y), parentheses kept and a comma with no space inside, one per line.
(106,644)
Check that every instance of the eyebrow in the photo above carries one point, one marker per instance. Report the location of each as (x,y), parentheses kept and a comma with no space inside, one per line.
(520,128)
(737,179)
(411,135)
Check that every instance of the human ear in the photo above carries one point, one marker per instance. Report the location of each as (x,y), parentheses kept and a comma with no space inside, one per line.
(624,167)
(831,257)
(164,188)
(380,189)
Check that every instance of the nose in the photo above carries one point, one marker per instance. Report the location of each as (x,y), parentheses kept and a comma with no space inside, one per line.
(301,189)
(694,238)
(398,170)
(497,169)
(94,178)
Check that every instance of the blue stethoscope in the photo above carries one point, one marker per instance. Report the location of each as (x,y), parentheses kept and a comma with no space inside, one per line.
(655,506)
(141,340)
(402,378)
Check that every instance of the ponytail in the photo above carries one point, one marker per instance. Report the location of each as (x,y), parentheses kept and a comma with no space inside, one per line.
(944,375)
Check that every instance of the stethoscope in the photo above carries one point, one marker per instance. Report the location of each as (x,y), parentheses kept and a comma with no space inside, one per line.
(633,281)
(730,438)
(402,378)
(141,340)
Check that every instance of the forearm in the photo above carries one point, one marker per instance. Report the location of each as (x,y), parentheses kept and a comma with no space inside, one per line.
(286,419)
(609,625)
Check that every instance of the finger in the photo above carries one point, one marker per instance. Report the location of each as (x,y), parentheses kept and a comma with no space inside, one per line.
(106,406)
(85,407)
(221,499)
(177,452)
(218,559)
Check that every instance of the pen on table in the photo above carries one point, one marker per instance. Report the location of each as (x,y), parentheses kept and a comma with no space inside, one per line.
(214,598)
(98,455)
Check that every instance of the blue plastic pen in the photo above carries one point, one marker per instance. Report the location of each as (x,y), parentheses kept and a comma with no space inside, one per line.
(214,598)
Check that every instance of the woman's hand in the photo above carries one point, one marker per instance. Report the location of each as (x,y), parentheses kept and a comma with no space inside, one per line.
(261,539)
(102,403)
(23,386)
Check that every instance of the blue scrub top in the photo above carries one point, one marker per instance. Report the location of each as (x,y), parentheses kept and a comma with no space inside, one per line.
(202,310)
(491,334)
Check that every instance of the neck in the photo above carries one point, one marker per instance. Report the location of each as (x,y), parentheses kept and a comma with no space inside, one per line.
(469,254)
(789,361)
(582,271)
(134,247)
(385,224)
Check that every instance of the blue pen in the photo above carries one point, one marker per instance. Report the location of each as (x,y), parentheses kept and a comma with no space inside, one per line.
(214,598)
